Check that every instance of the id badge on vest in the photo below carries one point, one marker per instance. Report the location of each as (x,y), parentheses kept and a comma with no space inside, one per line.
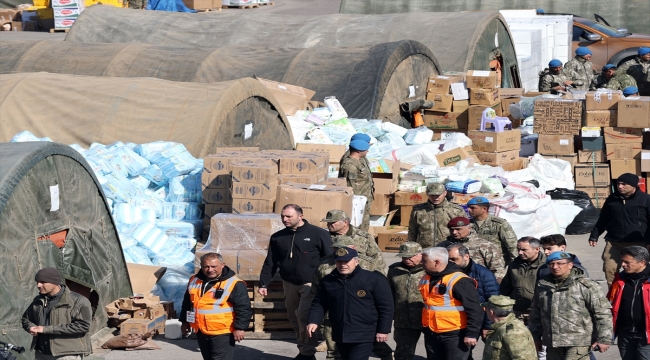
(191,317)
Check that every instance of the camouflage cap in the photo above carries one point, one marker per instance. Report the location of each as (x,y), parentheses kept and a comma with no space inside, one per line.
(343,241)
(435,188)
(499,302)
(335,215)
(409,249)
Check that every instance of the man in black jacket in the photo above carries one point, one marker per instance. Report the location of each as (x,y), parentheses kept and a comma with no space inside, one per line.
(625,216)
(296,251)
(360,306)
(216,286)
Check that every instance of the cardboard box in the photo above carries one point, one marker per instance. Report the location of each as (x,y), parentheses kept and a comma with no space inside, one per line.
(298,162)
(462,199)
(261,191)
(598,195)
(486,97)
(335,152)
(592,175)
(488,141)
(152,312)
(291,98)
(243,206)
(390,238)
(511,93)
(589,157)
(315,200)
(451,157)
(67,12)
(634,112)
(405,214)
(303,178)
(518,164)
(645,160)
(447,133)
(217,196)
(460,106)
(558,116)
(238,149)
(555,144)
(244,231)
(63,23)
(598,100)
(623,151)
(445,120)
(254,171)
(198,4)
(381,204)
(213,181)
(339,182)
(475,113)
(143,326)
(386,183)
(620,167)
(619,135)
(506,102)
(601,118)
(441,102)
(144,277)
(219,163)
(214,209)
(410,198)
(497,158)
(477,79)
(441,84)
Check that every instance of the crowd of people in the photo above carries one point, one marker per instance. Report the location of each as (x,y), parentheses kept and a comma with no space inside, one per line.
(632,77)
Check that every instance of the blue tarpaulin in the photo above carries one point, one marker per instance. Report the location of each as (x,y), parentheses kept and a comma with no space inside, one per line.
(168,5)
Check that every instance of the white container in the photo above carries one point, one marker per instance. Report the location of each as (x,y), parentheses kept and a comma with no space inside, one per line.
(390,127)
(173,329)
(72,12)
(335,107)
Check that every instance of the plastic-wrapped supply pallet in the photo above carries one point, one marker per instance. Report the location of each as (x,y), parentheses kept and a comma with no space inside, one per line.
(315,200)
(242,232)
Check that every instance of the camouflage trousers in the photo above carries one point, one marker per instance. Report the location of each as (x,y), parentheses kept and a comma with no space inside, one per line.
(568,353)
(365,224)
(137,4)
(381,349)
(406,340)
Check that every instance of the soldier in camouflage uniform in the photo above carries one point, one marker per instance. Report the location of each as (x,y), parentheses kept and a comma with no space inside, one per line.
(338,224)
(511,339)
(639,69)
(492,228)
(325,267)
(428,222)
(552,78)
(611,79)
(569,311)
(137,4)
(404,278)
(357,173)
(481,251)
(580,69)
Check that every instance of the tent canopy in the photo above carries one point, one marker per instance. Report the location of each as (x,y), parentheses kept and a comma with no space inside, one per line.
(85,109)
(370,81)
(90,258)
(460,41)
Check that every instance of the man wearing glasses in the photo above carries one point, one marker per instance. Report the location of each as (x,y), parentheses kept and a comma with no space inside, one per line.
(570,314)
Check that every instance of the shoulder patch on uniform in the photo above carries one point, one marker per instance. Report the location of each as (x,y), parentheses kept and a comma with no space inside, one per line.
(510,327)
(361,293)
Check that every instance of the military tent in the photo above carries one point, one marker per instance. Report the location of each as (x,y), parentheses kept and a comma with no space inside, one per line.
(460,41)
(53,214)
(86,109)
(369,81)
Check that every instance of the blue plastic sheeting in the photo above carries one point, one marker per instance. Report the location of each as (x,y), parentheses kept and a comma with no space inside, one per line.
(168,5)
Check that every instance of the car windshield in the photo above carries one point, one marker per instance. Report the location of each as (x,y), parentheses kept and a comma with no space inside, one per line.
(607,30)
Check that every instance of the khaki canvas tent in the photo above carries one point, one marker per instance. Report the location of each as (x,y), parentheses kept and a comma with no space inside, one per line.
(53,214)
(369,81)
(460,41)
(86,109)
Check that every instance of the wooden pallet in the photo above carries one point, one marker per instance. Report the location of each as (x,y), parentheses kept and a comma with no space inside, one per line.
(58,31)
(207,10)
(268,3)
(270,320)
(250,6)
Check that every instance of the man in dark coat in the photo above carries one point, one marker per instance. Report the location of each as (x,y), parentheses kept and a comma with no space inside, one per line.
(360,306)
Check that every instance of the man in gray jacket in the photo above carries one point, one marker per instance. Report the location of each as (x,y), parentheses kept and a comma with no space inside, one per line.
(58,319)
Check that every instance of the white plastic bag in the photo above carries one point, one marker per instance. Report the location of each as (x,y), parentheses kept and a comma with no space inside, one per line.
(418,136)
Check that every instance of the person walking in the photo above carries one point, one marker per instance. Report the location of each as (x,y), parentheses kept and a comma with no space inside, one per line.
(630,299)
(58,319)
(492,228)
(625,216)
(404,280)
(359,303)
(428,221)
(580,70)
(511,339)
(481,251)
(356,171)
(570,314)
(296,251)
(452,314)
(216,306)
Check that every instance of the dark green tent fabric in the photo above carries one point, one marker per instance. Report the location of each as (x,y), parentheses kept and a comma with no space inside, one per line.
(459,41)
(45,188)
(370,81)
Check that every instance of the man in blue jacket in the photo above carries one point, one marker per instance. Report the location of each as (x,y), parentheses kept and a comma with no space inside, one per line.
(360,306)
(487,282)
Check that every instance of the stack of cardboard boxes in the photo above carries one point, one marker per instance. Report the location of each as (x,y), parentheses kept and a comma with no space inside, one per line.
(450,111)
(254,185)
(634,115)
(138,315)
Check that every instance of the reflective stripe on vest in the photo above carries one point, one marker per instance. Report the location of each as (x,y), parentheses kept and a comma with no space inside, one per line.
(442,312)
(212,316)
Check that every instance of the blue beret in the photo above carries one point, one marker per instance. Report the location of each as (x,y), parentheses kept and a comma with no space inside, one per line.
(582,51)
(609,66)
(558,255)
(540,11)
(359,145)
(554,63)
(630,90)
(360,136)
(479,201)
(644,51)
